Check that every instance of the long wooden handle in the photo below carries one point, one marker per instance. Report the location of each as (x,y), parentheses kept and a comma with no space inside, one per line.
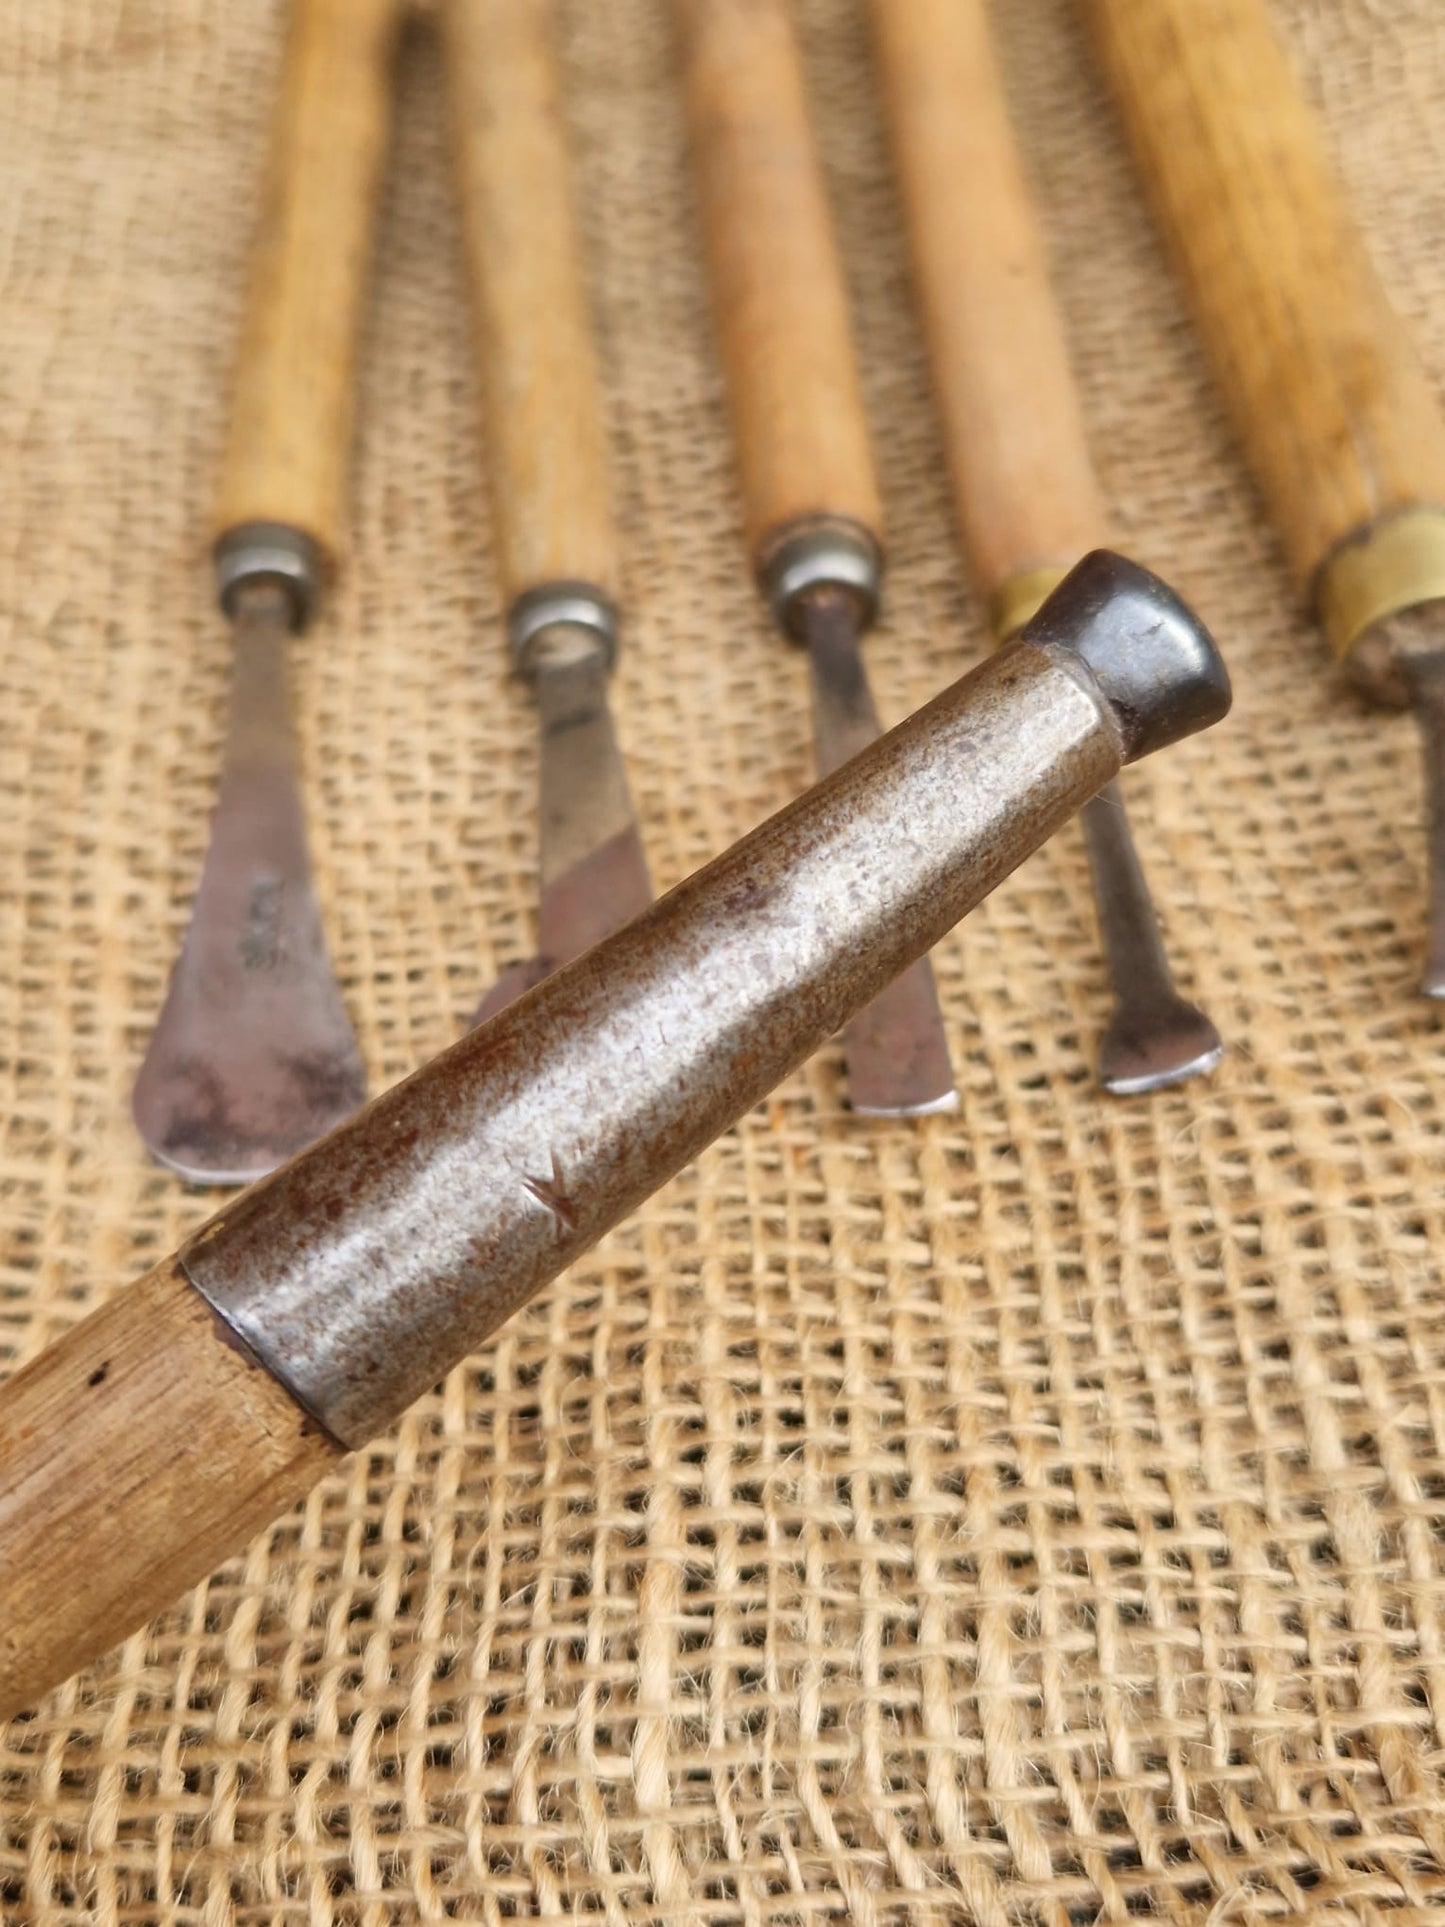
(778,289)
(545,423)
(290,436)
(1338,416)
(136,1454)
(1027,498)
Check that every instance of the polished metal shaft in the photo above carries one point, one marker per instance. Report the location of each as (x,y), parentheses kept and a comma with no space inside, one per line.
(363,1271)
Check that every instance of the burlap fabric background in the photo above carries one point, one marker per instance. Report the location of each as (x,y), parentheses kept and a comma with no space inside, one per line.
(1031,1515)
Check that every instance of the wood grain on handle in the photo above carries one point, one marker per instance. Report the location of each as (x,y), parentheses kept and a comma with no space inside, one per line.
(1027,497)
(1339,418)
(290,435)
(545,426)
(777,282)
(136,1453)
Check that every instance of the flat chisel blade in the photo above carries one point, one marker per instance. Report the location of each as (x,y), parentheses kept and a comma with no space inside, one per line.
(1156,1038)
(896,1050)
(593,872)
(253,1056)
(1424,673)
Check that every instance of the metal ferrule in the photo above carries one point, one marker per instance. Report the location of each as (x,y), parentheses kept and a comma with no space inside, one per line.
(271,552)
(824,552)
(553,605)
(363,1271)
(1393,565)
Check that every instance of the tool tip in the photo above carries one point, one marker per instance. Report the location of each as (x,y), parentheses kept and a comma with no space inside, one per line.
(1174,1046)
(216,1115)
(924,1107)
(1155,661)
(898,1062)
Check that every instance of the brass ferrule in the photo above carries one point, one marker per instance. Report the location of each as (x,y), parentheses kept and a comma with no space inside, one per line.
(1015,603)
(1389,566)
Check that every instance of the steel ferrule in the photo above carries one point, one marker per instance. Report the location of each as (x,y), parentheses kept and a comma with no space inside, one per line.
(360,1273)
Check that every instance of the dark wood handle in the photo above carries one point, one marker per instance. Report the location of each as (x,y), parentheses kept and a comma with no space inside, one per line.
(136,1454)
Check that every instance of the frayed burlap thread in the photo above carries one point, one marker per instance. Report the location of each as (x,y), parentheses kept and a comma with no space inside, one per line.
(1032,1515)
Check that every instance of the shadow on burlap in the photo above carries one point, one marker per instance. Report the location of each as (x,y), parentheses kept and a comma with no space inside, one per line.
(1029,1515)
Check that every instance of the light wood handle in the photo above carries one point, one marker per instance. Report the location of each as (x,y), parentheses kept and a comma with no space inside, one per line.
(1338,416)
(1027,498)
(545,429)
(290,435)
(136,1454)
(777,282)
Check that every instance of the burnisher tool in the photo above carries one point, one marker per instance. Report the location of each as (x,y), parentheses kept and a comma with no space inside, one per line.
(155,1438)
(1027,496)
(545,433)
(810,496)
(253,1056)
(1339,418)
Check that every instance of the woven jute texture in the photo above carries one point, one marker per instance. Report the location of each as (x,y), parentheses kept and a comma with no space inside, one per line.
(1033,1515)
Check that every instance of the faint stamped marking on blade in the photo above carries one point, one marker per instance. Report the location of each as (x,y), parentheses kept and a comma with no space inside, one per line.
(262,946)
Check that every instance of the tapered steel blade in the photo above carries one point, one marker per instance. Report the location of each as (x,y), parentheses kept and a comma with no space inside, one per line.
(897,1054)
(253,1056)
(593,871)
(1156,1037)
(1424,671)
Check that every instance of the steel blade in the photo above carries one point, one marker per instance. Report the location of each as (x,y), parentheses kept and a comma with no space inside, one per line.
(897,1052)
(593,871)
(1424,671)
(1156,1038)
(253,1056)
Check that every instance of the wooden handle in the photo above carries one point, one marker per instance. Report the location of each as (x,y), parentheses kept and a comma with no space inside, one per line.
(782,311)
(1027,498)
(136,1454)
(1337,414)
(545,426)
(290,438)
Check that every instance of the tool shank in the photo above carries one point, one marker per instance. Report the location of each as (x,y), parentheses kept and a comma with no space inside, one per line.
(253,1054)
(380,1257)
(896,1049)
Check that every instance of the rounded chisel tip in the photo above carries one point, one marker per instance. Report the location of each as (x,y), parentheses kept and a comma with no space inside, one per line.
(1152,657)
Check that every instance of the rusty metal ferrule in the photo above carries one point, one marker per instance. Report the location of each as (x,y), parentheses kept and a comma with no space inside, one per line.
(821,552)
(577,607)
(360,1273)
(271,552)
